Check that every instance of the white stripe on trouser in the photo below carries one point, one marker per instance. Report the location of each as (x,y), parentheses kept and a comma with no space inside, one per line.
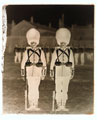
(17,57)
(90,56)
(33,90)
(62,84)
(76,57)
(82,58)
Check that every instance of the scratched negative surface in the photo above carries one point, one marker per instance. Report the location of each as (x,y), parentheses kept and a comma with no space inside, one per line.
(17,20)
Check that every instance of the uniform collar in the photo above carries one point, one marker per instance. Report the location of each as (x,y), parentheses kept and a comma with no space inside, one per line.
(29,47)
(67,47)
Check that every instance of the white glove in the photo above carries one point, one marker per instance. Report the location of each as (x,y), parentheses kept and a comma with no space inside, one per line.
(43,77)
(52,74)
(72,74)
(22,72)
(44,71)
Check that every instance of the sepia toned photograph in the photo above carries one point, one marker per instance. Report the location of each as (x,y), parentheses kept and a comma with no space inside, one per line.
(48,59)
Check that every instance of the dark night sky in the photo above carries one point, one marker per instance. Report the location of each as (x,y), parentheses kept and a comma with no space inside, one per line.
(43,14)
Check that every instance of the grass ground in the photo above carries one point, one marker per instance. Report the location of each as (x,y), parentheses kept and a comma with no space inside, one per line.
(80,90)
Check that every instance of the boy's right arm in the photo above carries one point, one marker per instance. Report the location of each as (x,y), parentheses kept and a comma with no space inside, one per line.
(23,63)
(53,59)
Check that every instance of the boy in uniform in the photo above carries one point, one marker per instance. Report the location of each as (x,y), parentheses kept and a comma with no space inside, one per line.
(62,63)
(35,64)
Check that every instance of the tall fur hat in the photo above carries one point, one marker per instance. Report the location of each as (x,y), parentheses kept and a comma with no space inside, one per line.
(33,35)
(63,35)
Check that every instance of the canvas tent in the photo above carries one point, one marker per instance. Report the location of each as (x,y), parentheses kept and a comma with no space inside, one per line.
(82,36)
(18,35)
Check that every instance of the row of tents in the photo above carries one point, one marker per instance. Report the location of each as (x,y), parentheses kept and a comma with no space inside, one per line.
(81,36)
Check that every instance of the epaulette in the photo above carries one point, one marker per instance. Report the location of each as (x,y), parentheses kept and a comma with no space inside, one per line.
(57,48)
(38,47)
(28,47)
(68,47)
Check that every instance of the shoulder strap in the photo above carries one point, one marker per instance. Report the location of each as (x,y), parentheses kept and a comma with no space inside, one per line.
(68,54)
(38,54)
(63,52)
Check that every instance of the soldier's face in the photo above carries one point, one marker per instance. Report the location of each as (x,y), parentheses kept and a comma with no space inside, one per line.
(62,45)
(33,44)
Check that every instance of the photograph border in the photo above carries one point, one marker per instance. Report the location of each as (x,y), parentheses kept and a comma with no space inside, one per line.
(45,116)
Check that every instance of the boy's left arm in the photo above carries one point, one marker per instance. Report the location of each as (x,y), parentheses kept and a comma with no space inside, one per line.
(72,60)
(44,68)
